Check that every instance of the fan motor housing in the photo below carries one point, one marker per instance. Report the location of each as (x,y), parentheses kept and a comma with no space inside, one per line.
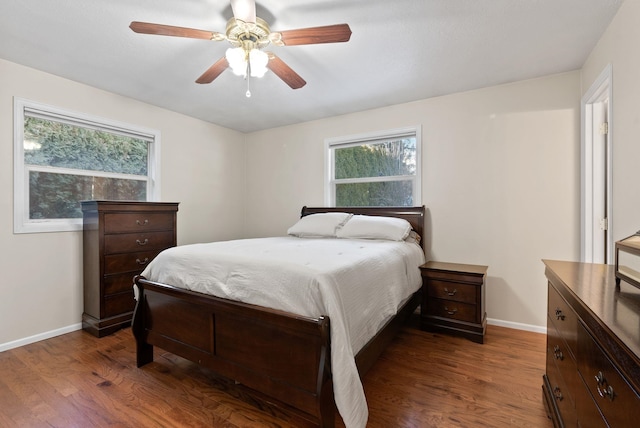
(239,33)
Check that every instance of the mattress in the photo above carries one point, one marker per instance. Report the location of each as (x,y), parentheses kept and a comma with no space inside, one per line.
(359,284)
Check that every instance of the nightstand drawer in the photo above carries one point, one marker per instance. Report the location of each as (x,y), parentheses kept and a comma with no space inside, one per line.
(136,222)
(452,291)
(128,262)
(132,242)
(451,309)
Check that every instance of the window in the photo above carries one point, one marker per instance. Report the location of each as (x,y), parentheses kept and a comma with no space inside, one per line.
(380,169)
(62,158)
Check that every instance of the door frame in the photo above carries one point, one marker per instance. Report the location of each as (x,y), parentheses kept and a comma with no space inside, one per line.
(600,90)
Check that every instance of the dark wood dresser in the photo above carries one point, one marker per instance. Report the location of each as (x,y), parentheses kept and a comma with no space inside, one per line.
(593,347)
(119,240)
(453,299)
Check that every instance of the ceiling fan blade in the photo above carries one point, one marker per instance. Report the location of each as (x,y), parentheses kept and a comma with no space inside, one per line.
(284,72)
(313,35)
(214,71)
(169,30)
(244,10)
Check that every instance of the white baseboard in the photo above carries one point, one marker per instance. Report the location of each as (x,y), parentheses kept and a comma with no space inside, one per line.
(518,326)
(39,337)
(74,327)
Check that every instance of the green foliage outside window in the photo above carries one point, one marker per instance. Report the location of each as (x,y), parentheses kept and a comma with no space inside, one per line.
(59,195)
(381,194)
(61,145)
(378,169)
(53,148)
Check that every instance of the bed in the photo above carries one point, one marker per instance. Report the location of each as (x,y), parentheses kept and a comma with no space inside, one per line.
(280,360)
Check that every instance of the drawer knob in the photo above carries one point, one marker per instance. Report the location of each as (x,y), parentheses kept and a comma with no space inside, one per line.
(450,293)
(557,393)
(559,315)
(451,311)
(557,353)
(141,243)
(142,262)
(602,386)
(142,223)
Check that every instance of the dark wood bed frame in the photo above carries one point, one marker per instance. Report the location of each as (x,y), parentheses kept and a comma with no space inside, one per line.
(277,360)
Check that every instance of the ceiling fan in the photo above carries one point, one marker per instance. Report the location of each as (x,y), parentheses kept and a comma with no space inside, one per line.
(249,35)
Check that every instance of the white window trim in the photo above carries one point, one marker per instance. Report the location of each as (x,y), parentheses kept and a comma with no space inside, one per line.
(358,139)
(21,221)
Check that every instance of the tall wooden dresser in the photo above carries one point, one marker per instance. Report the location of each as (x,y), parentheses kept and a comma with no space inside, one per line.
(593,347)
(119,239)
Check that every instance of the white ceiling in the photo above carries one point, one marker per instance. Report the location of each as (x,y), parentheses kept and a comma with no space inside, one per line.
(400,51)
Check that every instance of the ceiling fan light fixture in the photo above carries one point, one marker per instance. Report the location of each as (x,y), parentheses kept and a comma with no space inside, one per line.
(258,61)
(238,57)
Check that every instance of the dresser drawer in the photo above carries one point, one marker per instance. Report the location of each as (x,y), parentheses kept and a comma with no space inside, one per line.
(588,412)
(137,222)
(452,291)
(119,283)
(560,393)
(451,309)
(128,262)
(558,353)
(564,318)
(118,304)
(131,242)
(617,401)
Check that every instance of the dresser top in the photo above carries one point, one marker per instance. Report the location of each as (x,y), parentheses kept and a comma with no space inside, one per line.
(614,309)
(104,205)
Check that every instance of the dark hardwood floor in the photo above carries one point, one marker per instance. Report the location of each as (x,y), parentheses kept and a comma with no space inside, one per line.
(422,380)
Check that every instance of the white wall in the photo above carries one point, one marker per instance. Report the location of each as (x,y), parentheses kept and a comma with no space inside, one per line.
(202,167)
(500,181)
(619,47)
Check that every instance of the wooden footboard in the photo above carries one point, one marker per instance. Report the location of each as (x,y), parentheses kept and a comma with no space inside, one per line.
(281,355)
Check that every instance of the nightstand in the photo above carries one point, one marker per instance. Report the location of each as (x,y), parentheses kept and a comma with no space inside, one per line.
(453,299)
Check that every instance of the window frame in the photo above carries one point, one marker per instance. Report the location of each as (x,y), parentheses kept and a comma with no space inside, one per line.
(370,138)
(23,108)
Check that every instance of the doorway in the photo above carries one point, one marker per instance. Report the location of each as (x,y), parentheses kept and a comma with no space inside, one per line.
(596,182)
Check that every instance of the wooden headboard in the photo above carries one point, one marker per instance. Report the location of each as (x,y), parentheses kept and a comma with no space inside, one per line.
(414,215)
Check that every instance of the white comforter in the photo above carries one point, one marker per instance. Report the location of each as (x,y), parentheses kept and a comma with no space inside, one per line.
(359,284)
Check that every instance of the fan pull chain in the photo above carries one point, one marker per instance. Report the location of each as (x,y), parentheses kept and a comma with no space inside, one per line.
(248,93)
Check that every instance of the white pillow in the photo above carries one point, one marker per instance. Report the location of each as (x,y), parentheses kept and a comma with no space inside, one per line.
(375,227)
(413,238)
(319,225)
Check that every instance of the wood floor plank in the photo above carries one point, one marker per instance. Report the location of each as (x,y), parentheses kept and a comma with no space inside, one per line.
(421,380)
